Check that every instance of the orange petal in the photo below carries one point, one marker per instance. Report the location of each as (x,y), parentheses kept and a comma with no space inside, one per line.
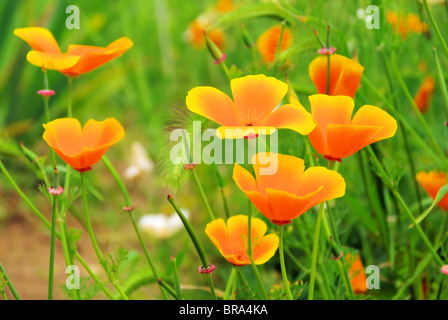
(102,133)
(277,171)
(266,249)
(239,132)
(374,116)
(327,110)
(246,182)
(214,105)
(423,96)
(345,75)
(267,42)
(64,134)
(356,274)
(217,232)
(330,184)
(286,206)
(256,96)
(40,39)
(292,116)
(52,61)
(345,140)
(93,57)
(432,182)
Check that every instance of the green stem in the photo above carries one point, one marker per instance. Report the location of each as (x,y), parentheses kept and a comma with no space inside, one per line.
(315,251)
(128,204)
(52,247)
(230,283)
(441,80)
(195,241)
(202,194)
(282,263)
(42,218)
(170,290)
(434,25)
(250,252)
(69,105)
(93,276)
(10,285)
(102,261)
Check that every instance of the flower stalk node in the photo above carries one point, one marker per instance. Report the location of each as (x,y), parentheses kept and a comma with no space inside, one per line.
(280,223)
(46,92)
(332,159)
(129,208)
(223,57)
(326,51)
(190,166)
(59,190)
(339,257)
(210,269)
(444,269)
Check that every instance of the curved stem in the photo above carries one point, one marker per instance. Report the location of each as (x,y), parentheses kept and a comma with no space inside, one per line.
(315,251)
(282,263)
(11,287)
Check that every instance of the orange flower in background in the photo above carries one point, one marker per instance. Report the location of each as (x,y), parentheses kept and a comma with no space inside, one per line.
(80,147)
(405,24)
(345,75)
(195,33)
(232,242)
(267,43)
(254,99)
(432,182)
(79,59)
(337,135)
(356,274)
(423,96)
(283,190)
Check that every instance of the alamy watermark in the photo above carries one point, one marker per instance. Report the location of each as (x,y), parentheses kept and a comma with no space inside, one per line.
(72,21)
(371,16)
(232,147)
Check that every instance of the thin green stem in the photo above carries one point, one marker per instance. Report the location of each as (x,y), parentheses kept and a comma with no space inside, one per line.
(128,204)
(202,194)
(435,27)
(102,261)
(282,263)
(170,290)
(42,218)
(250,251)
(196,243)
(10,285)
(52,247)
(230,283)
(315,251)
(441,80)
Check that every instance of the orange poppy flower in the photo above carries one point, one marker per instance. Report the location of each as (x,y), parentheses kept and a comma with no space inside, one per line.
(252,110)
(79,59)
(80,147)
(337,135)
(356,274)
(432,182)
(345,75)
(232,242)
(405,24)
(267,42)
(195,33)
(283,190)
(423,96)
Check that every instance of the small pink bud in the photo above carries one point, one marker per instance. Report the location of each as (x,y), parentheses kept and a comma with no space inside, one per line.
(337,258)
(444,269)
(46,93)
(326,51)
(57,191)
(190,166)
(210,268)
(129,208)
(223,57)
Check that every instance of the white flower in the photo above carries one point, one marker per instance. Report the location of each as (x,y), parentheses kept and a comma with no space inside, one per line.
(140,162)
(160,225)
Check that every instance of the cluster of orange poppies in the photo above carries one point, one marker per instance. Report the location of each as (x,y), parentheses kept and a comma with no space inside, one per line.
(79,147)
(291,190)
